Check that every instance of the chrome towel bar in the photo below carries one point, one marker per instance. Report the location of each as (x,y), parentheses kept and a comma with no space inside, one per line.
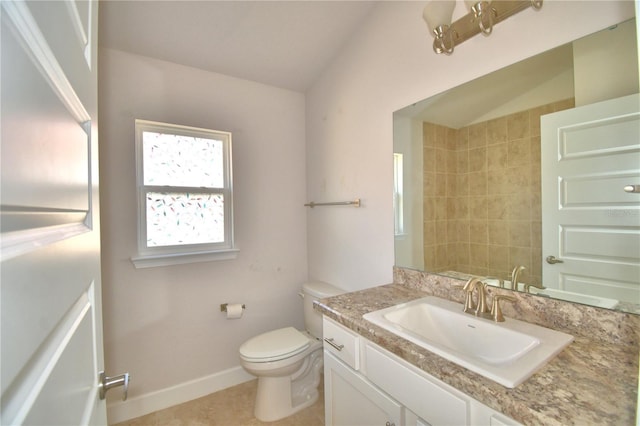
(355,203)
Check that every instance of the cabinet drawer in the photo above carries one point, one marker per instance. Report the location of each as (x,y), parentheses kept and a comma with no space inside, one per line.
(341,342)
(429,400)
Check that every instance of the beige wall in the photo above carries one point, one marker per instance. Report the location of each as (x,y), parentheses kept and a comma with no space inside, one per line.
(482,195)
(164,324)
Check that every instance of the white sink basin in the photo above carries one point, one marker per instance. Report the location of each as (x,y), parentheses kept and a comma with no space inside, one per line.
(508,352)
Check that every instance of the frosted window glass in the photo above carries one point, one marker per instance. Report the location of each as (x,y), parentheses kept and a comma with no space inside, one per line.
(178,160)
(184,218)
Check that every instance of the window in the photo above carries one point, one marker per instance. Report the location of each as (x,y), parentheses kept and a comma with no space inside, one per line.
(398,188)
(185,208)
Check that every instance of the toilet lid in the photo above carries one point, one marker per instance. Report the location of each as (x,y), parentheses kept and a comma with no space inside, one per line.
(279,343)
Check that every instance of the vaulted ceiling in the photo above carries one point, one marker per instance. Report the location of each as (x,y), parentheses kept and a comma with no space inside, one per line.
(285,44)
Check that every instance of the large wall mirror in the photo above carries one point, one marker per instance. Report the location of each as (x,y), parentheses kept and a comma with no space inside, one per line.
(474,166)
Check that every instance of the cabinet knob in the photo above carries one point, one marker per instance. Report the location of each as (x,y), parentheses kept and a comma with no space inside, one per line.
(389,424)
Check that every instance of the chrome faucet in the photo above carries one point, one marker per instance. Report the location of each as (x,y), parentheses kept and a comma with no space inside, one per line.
(479,308)
(515,275)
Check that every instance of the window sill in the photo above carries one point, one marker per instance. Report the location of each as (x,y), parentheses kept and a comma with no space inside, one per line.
(154,260)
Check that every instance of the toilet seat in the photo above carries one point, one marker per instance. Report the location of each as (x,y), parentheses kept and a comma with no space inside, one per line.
(274,345)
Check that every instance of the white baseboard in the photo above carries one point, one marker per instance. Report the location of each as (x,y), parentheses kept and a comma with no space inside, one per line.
(144,404)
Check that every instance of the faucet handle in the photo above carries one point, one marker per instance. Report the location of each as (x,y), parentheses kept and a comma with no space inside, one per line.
(496,312)
(482,299)
(527,287)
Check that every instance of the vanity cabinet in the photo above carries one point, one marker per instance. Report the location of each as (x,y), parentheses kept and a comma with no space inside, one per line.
(367,385)
(352,400)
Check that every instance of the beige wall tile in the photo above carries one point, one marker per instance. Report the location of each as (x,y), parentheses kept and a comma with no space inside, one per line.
(518,152)
(441,160)
(519,233)
(452,139)
(478,135)
(518,125)
(441,184)
(477,183)
(478,255)
(478,232)
(441,137)
(452,161)
(462,185)
(452,231)
(497,131)
(498,260)
(520,256)
(497,156)
(462,207)
(441,232)
(478,208)
(462,161)
(477,159)
(441,256)
(463,139)
(536,235)
(452,184)
(497,207)
(429,231)
(429,184)
(429,159)
(463,231)
(498,232)
(441,208)
(463,253)
(519,205)
(429,211)
(517,180)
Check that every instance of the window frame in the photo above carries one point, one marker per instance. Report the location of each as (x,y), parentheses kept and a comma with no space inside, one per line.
(187,253)
(398,193)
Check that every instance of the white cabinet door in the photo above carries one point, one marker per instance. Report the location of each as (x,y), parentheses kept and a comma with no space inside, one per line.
(351,400)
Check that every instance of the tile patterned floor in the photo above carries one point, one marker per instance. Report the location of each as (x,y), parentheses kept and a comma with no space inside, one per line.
(229,407)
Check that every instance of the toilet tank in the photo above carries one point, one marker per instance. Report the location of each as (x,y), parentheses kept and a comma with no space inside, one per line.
(313,291)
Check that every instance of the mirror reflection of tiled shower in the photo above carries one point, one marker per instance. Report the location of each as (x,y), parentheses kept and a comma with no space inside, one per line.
(482,211)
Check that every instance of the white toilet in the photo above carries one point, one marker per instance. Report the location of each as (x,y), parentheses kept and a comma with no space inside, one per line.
(288,362)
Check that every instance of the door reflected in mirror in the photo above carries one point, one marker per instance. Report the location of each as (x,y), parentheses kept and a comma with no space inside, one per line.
(470,199)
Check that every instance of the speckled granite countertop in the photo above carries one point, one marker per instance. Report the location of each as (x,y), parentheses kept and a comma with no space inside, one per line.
(594,381)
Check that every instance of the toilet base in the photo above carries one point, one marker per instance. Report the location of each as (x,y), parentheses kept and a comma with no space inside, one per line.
(273,401)
(280,397)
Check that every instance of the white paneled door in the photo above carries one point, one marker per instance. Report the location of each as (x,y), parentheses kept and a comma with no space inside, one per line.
(51,326)
(591,214)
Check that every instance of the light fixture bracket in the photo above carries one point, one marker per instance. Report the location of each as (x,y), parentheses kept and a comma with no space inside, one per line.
(468,26)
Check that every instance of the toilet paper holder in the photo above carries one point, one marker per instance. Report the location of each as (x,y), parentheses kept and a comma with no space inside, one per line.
(223,307)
